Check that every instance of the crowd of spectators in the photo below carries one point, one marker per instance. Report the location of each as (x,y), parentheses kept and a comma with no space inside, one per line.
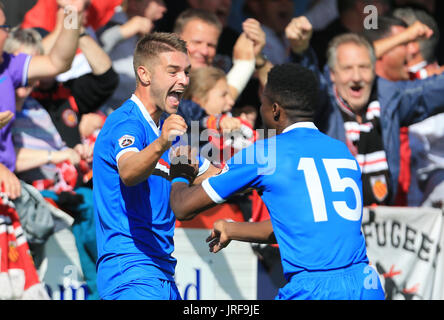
(65,65)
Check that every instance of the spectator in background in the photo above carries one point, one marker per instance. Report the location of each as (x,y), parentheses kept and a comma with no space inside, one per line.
(425,137)
(321,13)
(421,58)
(21,70)
(36,139)
(44,16)
(67,102)
(119,37)
(274,16)
(209,89)
(391,41)
(351,19)
(221,8)
(44,161)
(201,30)
(366,111)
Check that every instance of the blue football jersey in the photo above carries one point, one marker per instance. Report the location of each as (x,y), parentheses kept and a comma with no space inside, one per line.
(134,225)
(311,185)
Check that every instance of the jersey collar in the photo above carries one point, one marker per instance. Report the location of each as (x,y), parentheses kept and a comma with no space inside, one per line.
(145,113)
(307,125)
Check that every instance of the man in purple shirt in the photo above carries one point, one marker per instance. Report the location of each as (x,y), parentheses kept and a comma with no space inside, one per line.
(22,70)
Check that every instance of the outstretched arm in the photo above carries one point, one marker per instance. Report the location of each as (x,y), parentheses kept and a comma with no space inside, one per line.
(414,32)
(60,57)
(224,231)
(187,201)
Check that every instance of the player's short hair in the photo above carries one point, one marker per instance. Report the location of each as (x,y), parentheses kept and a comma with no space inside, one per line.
(151,45)
(28,38)
(202,80)
(426,46)
(295,88)
(347,38)
(195,14)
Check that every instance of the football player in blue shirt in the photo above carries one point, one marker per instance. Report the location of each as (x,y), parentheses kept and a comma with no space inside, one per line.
(134,222)
(313,191)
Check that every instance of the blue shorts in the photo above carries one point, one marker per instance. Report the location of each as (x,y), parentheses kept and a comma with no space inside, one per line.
(145,289)
(357,282)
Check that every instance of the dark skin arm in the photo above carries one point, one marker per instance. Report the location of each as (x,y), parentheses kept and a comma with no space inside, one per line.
(225,231)
(187,201)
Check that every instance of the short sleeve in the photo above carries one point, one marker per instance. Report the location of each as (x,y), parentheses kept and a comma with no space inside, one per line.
(128,136)
(240,173)
(18,69)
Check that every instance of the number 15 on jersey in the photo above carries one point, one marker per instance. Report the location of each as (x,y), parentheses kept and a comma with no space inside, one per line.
(338,184)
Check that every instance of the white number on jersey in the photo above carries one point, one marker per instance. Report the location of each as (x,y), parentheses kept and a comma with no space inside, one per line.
(338,184)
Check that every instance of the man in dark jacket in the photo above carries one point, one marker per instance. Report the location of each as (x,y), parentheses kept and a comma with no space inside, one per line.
(364,110)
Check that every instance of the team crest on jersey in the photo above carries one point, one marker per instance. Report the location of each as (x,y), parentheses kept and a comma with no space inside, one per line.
(126,141)
(69,118)
(379,187)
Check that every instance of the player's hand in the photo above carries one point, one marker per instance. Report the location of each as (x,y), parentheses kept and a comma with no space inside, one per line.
(218,238)
(173,127)
(299,32)
(9,183)
(5,117)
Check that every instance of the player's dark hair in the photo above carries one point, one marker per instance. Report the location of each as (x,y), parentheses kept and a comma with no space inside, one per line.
(294,88)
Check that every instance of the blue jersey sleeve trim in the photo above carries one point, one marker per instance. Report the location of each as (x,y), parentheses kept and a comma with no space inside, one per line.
(180,179)
(211,192)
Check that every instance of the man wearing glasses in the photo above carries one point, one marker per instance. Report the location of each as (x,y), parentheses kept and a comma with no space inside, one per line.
(22,70)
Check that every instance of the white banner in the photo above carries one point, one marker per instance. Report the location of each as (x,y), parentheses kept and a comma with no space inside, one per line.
(200,275)
(230,274)
(404,245)
(61,270)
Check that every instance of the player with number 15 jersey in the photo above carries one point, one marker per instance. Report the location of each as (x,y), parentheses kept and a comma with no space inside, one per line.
(313,194)
(311,185)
